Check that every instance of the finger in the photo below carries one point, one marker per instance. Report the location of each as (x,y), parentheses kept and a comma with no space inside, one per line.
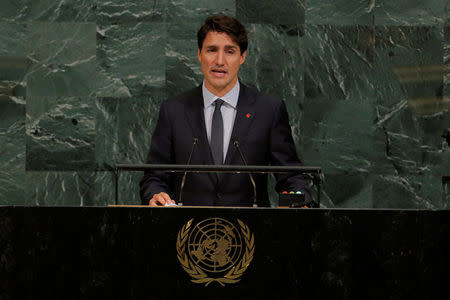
(167,198)
(155,202)
(159,198)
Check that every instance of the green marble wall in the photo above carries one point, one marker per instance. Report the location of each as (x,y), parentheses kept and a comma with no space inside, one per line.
(366,83)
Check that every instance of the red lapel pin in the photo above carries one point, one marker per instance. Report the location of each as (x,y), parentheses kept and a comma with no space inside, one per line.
(248,115)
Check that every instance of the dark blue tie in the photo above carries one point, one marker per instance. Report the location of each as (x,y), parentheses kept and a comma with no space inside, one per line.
(217,133)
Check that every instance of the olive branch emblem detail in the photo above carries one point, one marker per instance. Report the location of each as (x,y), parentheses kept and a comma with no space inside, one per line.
(236,268)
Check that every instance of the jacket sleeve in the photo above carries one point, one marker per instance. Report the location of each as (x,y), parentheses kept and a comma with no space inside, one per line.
(161,152)
(283,153)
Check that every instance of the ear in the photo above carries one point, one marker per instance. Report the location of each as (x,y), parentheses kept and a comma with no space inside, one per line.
(198,56)
(243,56)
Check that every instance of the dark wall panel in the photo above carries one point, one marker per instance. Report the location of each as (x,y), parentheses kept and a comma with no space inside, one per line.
(366,84)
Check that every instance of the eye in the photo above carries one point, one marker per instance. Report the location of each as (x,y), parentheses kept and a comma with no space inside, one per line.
(230,52)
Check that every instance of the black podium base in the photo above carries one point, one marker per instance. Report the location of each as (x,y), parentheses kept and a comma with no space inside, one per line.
(134,253)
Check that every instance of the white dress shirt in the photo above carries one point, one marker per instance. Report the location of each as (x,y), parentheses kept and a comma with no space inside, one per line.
(228,110)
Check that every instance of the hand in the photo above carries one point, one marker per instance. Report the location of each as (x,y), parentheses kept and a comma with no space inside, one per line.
(160,199)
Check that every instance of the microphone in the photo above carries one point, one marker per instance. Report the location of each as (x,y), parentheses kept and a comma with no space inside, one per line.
(236,144)
(194,142)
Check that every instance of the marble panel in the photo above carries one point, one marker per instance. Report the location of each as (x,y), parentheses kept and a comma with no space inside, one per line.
(137,120)
(129,188)
(271,12)
(13,68)
(62,81)
(106,127)
(63,57)
(13,65)
(110,87)
(60,188)
(446,99)
(13,60)
(338,99)
(445,203)
(392,191)
(274,63)
(367,102)
(101,190)
(410,84)
(447,13)
(48,10)
(125,11)
(410,12)
(339,110)
(196,11)
(338,136)
(447,65)
(340,12)
(61,43)
(13,39)
(60,133)
(411,115)
(12,150)
(124,129)
(412,59)
(106,149)
(348,190)
(131,57)
(104,190)
(183,70)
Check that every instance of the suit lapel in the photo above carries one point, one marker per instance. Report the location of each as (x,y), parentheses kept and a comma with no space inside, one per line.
(196,119)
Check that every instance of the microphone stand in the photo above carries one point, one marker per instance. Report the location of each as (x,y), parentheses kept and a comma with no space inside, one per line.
(236,144)
(183,180)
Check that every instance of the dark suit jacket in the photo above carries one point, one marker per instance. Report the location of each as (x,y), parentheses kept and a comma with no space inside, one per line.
(262,129)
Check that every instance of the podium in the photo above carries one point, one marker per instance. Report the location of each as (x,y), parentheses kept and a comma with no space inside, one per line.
(134,253)
(314,174)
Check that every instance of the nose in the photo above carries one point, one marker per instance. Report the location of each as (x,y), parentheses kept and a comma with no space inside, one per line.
(220,58)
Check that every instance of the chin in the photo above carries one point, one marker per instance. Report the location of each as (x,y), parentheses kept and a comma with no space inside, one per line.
(222,80)
(221,85)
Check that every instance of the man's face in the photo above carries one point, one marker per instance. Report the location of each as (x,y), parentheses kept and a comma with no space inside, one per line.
(220,58)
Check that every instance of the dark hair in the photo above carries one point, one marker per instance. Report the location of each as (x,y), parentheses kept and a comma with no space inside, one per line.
(225,24)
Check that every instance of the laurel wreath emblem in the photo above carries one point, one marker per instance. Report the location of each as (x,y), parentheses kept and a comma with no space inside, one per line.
(198,275)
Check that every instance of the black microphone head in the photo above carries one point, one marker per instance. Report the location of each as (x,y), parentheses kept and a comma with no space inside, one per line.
(236,143)
(195,140)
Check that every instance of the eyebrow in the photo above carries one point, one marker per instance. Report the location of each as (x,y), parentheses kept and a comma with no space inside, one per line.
(226,47)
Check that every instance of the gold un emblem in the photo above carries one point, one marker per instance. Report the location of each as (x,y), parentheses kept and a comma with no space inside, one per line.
(215,250)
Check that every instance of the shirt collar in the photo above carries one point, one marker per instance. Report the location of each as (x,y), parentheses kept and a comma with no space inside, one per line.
(230,98)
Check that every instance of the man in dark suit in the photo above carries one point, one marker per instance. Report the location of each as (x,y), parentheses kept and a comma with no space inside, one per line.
(218,115)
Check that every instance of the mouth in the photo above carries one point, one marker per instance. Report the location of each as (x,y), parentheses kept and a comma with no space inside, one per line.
(219,72)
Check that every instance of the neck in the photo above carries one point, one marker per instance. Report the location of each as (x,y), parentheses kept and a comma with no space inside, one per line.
(220,92)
